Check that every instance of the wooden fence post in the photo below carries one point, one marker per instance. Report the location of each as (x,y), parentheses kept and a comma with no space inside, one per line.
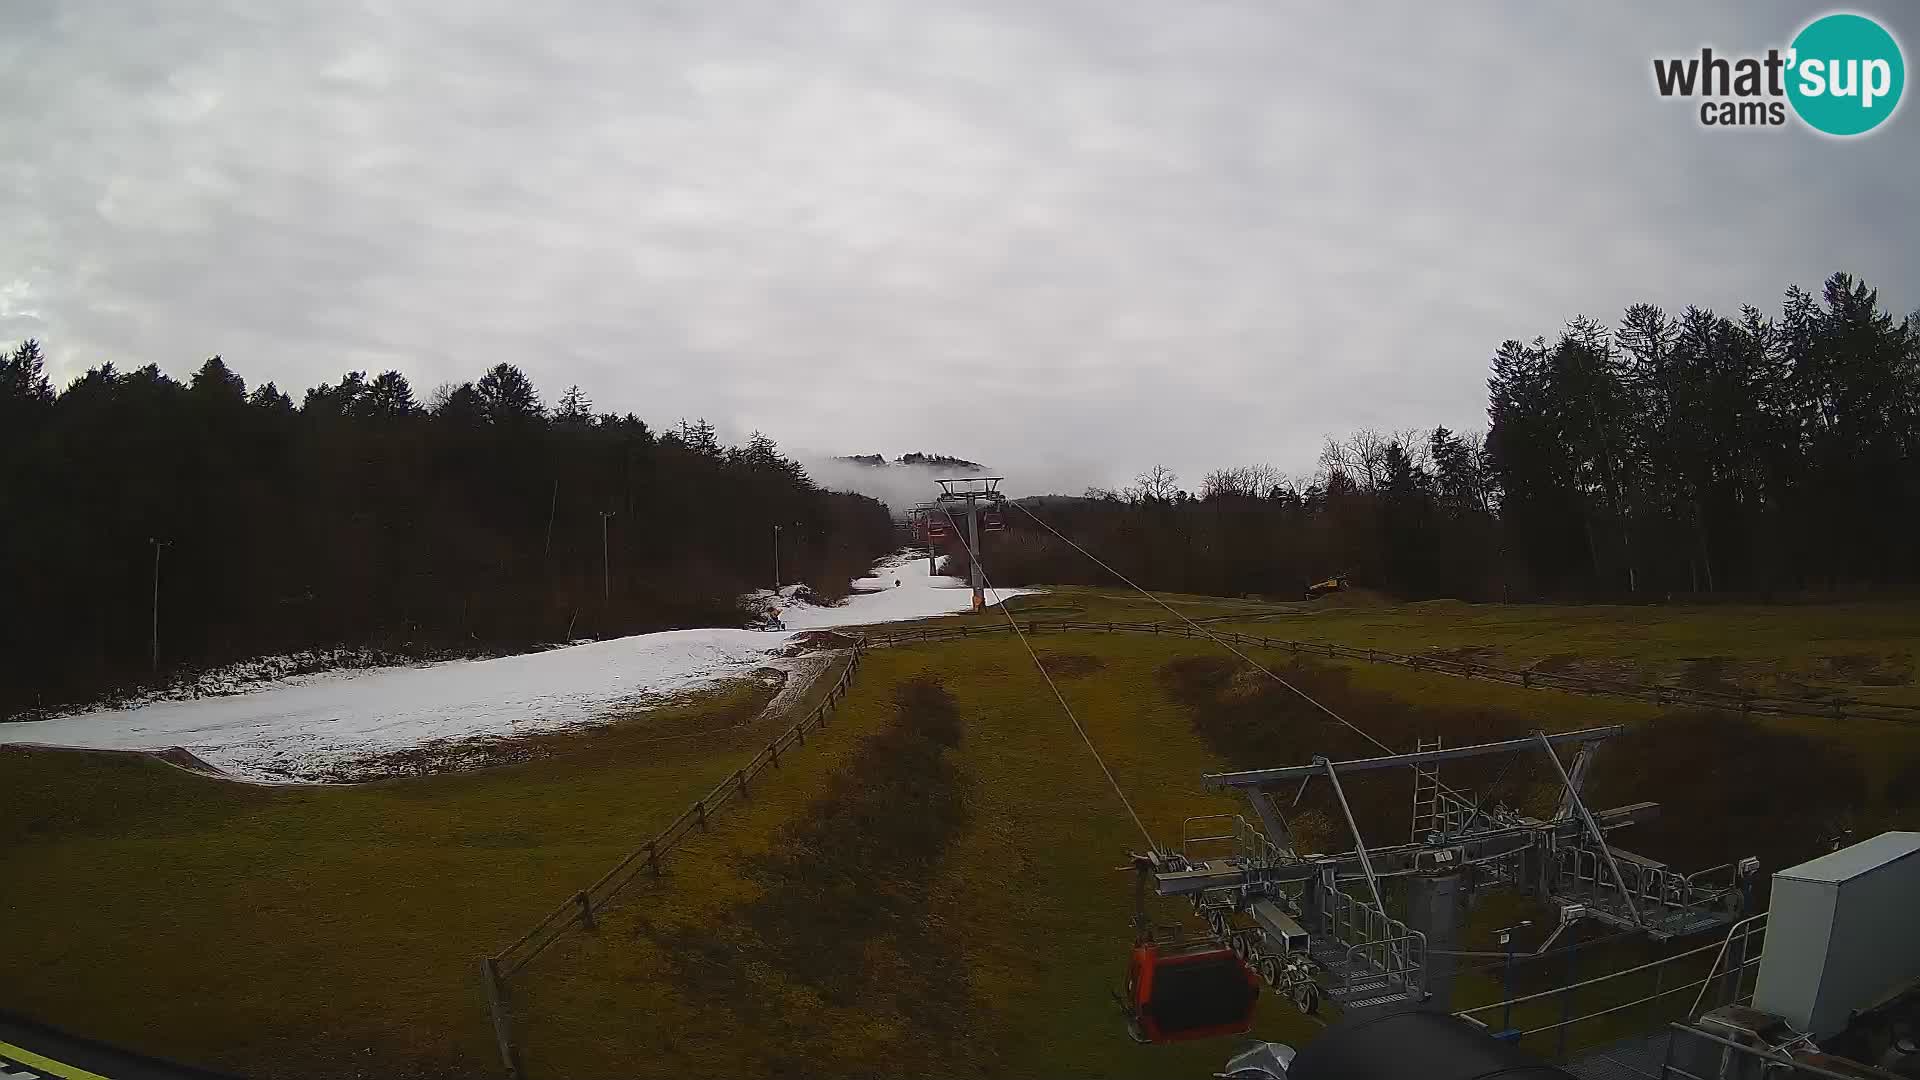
(502,1027)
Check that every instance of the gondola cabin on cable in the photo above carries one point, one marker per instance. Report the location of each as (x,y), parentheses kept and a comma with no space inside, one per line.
(1180,992)
(928,525)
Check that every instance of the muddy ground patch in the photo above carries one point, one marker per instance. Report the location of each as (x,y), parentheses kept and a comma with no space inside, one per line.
(1587,666)
(1070,665)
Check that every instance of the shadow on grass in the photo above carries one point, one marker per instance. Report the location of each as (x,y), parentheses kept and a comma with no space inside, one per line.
(844,923)
(1730,787)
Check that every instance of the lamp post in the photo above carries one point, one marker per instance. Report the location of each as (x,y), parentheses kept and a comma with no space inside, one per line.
(606,571)
(157,545)
(776,552)
(1506,941)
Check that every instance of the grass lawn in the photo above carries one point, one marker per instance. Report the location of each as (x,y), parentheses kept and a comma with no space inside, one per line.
(1863,651)
(318,931)
(334,932)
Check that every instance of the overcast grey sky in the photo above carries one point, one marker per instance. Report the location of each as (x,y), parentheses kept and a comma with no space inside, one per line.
(1066,238)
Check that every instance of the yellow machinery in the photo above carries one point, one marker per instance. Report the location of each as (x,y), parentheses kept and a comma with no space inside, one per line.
(1336,583)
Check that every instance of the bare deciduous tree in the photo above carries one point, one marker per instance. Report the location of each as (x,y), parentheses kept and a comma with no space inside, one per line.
(1158,484)
(1362,456)
(1242,481)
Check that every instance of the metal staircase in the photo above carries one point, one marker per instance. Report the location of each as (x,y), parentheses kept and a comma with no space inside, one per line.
(1366,956)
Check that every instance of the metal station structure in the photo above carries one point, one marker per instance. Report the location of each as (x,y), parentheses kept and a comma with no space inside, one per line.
(1318,927)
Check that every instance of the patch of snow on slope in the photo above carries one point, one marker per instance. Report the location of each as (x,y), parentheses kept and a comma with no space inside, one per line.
(900,588)
(315,727)
(285,731)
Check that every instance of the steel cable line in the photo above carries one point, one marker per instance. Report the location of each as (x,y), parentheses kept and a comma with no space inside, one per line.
(1061,698)
(1256,665)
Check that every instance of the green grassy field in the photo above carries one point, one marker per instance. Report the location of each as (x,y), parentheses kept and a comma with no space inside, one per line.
(311,931)
(337,932)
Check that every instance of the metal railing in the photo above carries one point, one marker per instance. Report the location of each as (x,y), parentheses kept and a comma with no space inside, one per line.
(1764,1061)
(1388,960)
(1836,708)
(1188,840)
(1742,932)
(1245,839)
(1578,865)
(1729,975)
(583,906)
(1392,949)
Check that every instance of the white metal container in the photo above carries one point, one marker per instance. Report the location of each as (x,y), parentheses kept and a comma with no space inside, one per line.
(1843,932)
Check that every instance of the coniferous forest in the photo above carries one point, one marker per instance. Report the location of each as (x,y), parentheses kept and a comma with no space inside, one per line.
(1757,456)
(363,516)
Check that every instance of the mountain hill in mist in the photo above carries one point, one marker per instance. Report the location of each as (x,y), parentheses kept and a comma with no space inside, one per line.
(935,461)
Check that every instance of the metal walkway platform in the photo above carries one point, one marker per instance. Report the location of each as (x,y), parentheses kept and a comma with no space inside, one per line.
(1637,1057)
(1364,987)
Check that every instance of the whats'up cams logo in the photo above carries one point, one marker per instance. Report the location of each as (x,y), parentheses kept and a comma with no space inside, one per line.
(1842,75)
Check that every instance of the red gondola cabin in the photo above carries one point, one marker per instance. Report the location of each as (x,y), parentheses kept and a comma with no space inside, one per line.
(1177,993)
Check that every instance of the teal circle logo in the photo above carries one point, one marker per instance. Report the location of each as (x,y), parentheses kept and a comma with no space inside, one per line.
(1845,74)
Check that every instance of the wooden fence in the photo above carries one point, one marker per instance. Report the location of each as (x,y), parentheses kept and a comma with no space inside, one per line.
(583,906)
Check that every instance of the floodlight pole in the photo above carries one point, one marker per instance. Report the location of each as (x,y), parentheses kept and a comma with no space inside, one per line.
(606,561)
(157,545)
(776,558)
(1506,942)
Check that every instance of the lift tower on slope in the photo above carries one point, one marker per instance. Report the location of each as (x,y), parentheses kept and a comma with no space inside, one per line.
(979,498)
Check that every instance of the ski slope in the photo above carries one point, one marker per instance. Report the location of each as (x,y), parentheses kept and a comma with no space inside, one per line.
(321,727)
(899,589)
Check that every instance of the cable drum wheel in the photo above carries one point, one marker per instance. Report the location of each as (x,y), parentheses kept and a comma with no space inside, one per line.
(1270,971)
(1306,997)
